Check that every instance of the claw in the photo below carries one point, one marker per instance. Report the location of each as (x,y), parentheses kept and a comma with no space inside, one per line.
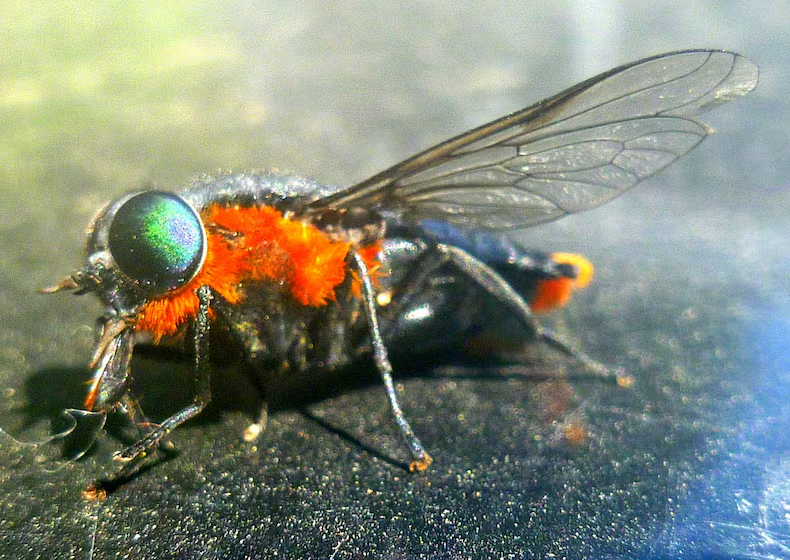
(421,464)
(94,493)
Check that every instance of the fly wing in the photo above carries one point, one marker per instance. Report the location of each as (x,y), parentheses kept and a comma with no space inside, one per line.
(569,153)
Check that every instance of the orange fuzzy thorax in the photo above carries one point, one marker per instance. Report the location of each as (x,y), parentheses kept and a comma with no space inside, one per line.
(255,244)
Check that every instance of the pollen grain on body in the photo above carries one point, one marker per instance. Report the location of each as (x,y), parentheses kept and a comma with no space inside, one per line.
(370,255)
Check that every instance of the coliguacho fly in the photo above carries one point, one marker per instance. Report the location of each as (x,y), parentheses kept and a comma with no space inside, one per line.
(305,277)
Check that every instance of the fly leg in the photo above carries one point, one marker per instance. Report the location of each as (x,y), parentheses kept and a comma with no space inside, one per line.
(138,424)
(240,328)
(420,458)
(497,286)
(133,455)
(437,255)
(254,430)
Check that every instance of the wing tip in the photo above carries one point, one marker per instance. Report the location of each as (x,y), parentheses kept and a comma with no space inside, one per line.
(745,75)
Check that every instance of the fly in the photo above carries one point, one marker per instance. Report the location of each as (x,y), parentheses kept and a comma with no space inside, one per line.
(304,277)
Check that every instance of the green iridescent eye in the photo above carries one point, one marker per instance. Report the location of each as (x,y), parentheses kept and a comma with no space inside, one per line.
(158,240)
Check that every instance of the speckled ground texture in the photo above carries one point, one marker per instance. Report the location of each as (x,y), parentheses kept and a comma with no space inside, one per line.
(690,296)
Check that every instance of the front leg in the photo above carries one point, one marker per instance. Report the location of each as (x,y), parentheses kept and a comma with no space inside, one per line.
(133,456)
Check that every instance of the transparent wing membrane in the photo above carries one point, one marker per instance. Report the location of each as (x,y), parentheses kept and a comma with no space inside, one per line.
(569,153)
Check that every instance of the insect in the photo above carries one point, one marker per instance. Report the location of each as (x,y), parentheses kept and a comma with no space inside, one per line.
(305,277)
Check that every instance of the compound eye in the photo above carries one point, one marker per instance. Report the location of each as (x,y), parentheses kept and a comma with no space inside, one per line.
(158,240)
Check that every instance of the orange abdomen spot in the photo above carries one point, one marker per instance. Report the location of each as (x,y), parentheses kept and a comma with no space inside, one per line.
(555,292)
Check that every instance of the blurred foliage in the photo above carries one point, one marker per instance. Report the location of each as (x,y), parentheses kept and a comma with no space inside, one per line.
(112,94)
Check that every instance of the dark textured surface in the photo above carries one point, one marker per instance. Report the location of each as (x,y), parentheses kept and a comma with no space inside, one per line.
(690,295)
